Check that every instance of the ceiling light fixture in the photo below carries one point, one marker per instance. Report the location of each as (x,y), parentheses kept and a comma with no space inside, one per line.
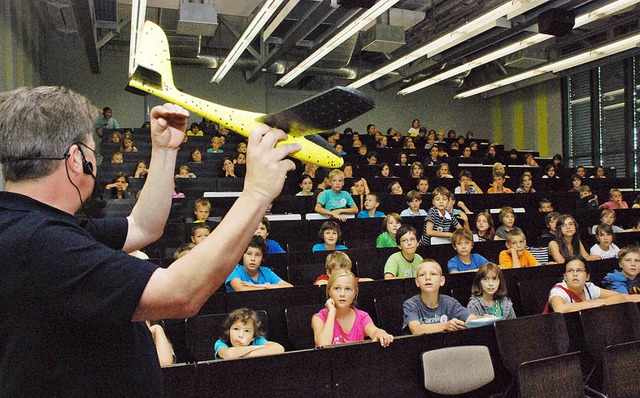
(354,27)
(558,66)
(259,21)
(510,49)
(465,32)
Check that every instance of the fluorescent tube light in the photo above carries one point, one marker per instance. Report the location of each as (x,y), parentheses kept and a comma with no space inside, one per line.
(261,19)
(465,32)
(554,67)
(357,25)
(581,20)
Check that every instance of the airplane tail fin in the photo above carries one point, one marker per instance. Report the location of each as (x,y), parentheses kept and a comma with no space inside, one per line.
(153,62)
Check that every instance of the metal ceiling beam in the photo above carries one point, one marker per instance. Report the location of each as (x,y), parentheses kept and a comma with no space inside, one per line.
(304,27)
(85,18)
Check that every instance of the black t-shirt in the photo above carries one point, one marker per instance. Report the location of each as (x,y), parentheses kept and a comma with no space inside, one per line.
(67,295)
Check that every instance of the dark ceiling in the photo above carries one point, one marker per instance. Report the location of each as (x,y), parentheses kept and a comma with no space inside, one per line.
(310,23)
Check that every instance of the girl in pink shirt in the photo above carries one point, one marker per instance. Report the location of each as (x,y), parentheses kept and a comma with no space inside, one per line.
(340,322)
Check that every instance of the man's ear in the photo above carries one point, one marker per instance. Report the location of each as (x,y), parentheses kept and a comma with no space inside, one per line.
(74,160)
(442,280)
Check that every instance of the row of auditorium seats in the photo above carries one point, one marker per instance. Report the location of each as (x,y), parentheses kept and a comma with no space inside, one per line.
(594,336)
(528,289)
(301,235)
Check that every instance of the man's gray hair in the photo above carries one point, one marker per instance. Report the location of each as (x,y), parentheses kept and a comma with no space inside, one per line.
(41,122)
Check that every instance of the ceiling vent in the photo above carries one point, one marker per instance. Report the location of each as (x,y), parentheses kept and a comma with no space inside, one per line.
(525,59)
(383,38)
(198,19)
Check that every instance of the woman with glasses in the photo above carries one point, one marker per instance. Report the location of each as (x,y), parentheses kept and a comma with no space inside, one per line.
(576,293)
(567,243)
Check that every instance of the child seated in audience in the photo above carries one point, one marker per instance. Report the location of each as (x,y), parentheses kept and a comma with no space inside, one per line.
(484,227)
(306,185)
(414,201)
(526,183)
(508,218)
(371,204)
(340,322)
(242,337)
(498,184)
(443,171)
(391,223)
(202,210)
(439,220)
(250,275)
(467,185)
(516,255)
(115,137)
(567,243)
(166,356)
(183,250)
(615,201)
(625,280)
(464,261)
(330,234)
(119,187)
(128,144)
(549,171)
(185,172)
(117,158)
(605,248)
(429,311)
(551,222)
(423,186)
(587,200)
(576,293)
(335,261)
(335,202)
(395,188)
(199,232)
(576,182)
(403,264)
(607,216)
(215,145)
(141,170)
(489,293)
(264,228)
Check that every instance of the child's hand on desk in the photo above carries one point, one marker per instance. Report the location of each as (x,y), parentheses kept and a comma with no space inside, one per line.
(454,324)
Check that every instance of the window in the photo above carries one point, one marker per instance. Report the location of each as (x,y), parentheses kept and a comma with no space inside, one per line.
(602,118)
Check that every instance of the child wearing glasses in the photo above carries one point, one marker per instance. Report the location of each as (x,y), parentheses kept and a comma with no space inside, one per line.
(567,243)
(576,293)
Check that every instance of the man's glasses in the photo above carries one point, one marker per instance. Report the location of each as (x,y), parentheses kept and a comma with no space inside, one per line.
(99,158)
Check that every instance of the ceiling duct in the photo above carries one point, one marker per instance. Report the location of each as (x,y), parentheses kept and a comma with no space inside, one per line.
(381,38)
(525,59)
(197,19)
(62,15)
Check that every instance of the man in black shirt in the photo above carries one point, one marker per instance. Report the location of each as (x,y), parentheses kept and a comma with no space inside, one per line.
(73,302)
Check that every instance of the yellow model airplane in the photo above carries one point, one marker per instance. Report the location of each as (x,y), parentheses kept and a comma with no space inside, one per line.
(301,122)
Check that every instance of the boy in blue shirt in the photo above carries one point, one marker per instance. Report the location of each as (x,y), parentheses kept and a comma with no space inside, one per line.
(335,202)
(371,204)
(626,279)
(250,275)
(263,230)
(462,240)
(414,201)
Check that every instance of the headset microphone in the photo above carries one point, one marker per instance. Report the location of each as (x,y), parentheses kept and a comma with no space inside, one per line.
(87,168)
(98,202)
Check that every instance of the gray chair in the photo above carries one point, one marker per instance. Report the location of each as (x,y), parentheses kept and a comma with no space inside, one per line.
(443,369)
